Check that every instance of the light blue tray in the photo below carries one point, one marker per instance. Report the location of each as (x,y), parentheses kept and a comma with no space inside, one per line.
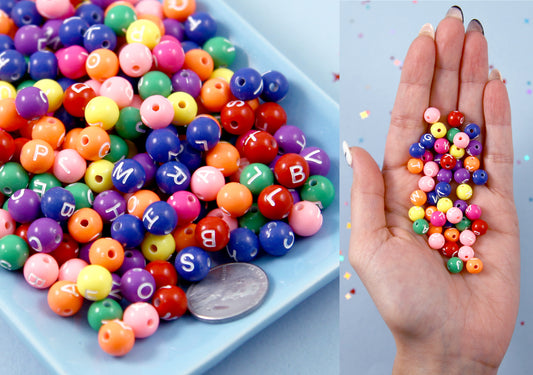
(69,345)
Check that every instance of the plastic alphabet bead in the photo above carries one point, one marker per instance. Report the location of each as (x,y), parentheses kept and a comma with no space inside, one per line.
(192,263)
(116,338)
(170,302)
(41,270)
(142,317)
(137,285)
(276,238)
(64,299)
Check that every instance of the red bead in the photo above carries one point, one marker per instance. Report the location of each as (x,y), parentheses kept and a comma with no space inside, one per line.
(237,117)
(455,119)
(275,202)
(170,302)
(260,147)
(448,161)
(164,273)
(7,147)
(449,249)
(212,233)
(19,143)
(479,227)
(291,170)
(76,98)
(67,249)
(270,117)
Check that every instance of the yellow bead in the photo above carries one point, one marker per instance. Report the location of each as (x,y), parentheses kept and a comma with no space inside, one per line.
(223,73)
(94,282)
(98,176)
(145,32)
(7,90)
(457,152)
(464,192)
(102,111)
(444,204)
(185,107)
(54,93)
(438,130)
(156,247)
(416,212)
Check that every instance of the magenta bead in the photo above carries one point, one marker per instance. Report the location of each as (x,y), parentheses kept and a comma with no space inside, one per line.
(431,115)
(436,241)
(156,112)
(44,235)
(71,61)
(71,268)
(428,156)
(24,206)
(473,212)
(187,206)
(461,140)
(41,271)
(438,219)
(142,318)
(206,181)
(135,59)
(69,166)
(426,183)
(52,9)
(232,222)
(7,223)
(465,253)
(467,237)
(431,169)
(168,56)
(305,218)
(454,215)
(119,89)
(442,145)
(31,103)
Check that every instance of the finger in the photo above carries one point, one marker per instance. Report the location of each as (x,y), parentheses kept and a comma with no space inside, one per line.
(474,73)
(412,98)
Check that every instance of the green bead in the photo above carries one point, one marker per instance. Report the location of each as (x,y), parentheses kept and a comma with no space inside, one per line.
(318,189)
(463,224)
(12,178)
(106,309)
(119,18)
(40,183)
(154,83)
(24,84)
(14,252)
(83,196)
(253,219)
(4,206)
(221,50)
(129,124)
(256,177)
(451,133)
(421,226)
(119,149)
(455,265)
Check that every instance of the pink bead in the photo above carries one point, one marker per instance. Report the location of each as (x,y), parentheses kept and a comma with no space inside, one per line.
(465,253)
(95,85)
(71,61)
(438,219)
(7,223)
(431,115)
(168,56)
(232,222)
(187,206)
(119,89)
(206,181)
(135,59)
(69,166)
(426,183)
(150,7)
(467,237)
(431,169)
(136,102)
(461,140)
(473,212)
(441,146)
(41,270)
(436,241)
(52,8)
(305,218)
(156,112)
(142,318)
(454,215)
(428,156)
(168,38)
(71,268)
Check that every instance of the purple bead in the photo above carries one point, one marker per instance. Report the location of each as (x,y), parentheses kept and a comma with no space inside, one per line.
(109,204)
(290,138)
(133,258)
(462,205)
(102,3)
(474,148)
(148,164)
(437,157)
(458,165)
(137,285)
(31,103)
(115,288)
(187,81)
(51,33)
(444,175)
(44,235)
(317,159)
(461,176)
(295,195)
(24,206)
(174,28)
(30,39)
(84,251)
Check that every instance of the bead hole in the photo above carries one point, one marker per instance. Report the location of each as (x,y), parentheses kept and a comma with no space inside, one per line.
(129,254)
(218,86)
(241,81)
(189,231)
(105,336)
(274,87)
(190,199)
(57,238)
(253,209)
(234,124)
(98,178)
(84,223)
(135,68)
(313,182)
(84,140)
(111,254)
(107,304)
(157,302)
(153,248)
(105,44)
(203,60)
(182,104)
(155,107)
(150,322)
(117,226)
(7,191)
(67,311)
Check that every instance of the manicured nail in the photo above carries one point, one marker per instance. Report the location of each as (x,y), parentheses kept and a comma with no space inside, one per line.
(475,25)
(455,12)
(495,74)
(347,153)
(428,30)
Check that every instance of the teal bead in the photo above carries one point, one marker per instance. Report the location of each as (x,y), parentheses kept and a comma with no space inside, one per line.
(106,309)
(13,177)
(129,124)
(83,196)
(256,177)
(253,219)
(14,252)
(451,133)
(221,50)
(455,265)
(118,18)
(463,224)
(318,189)
(118,150)
(40,183)
(4,206)
(421,226)
(24,84)
(154,83)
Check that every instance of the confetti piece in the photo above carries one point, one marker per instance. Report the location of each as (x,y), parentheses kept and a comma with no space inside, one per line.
(341,258)
(352,291)
(526,20)
(526,157)
(348,296)
(348,225)
(347,275)
(360,35)
(522,323)
(361,140)
(336,77)
(397,62)
(531,199)
(364,114)
(346,203)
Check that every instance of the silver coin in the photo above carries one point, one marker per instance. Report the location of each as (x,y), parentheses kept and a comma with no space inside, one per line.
(228,292)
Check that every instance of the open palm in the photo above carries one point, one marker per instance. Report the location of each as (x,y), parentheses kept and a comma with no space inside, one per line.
(442,322)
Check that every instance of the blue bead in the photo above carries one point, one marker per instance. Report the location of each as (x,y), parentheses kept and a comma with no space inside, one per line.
(68,120)
(243,245)
(472,130)
(7,5)
(6,43)
(416,150)
(432,198)
(65,82)
(427,140)
(203,133)
(43,65)
(128,230)
(90,13)
(173,176)
(276,238)
(99,36)
(191,157)
(128,176)
(480,177)
(199,27)
(188,45)
(246,84)
(25,13)
(160,218)
(162,145)
(12,65)
(72,30)
(443,189)
(275,86)
(58,204)
(192,263)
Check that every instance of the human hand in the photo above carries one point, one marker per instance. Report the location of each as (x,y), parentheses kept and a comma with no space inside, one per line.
(441,322)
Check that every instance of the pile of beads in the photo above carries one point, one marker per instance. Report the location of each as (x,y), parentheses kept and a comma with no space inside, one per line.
(449,160)
(132,159)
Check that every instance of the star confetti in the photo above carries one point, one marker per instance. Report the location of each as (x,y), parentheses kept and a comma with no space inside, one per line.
(364,114)
(348,296)
(348,225)
(336,77)
(347,275)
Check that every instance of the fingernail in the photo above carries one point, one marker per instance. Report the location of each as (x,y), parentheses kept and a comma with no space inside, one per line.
(475,25)
(428,30)
(347,153)
(495,74)
(455,12)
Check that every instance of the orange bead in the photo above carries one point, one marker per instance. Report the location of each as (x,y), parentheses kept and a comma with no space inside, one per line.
(93,143)
(179,9)
(102,64)
(116,338)
(474,265)
(234,198)
(7,25)
(415,166)
(254,103)
(418,197)
(37,156)
(141,199)
(429,212)
(471,163)
(225,157)
(71,138)
(451,234)
(108,253)
(200,62)
(184,236)
(64,299)
(85,225)
(215,93)
(10,120)
(49,129)
(433,229)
